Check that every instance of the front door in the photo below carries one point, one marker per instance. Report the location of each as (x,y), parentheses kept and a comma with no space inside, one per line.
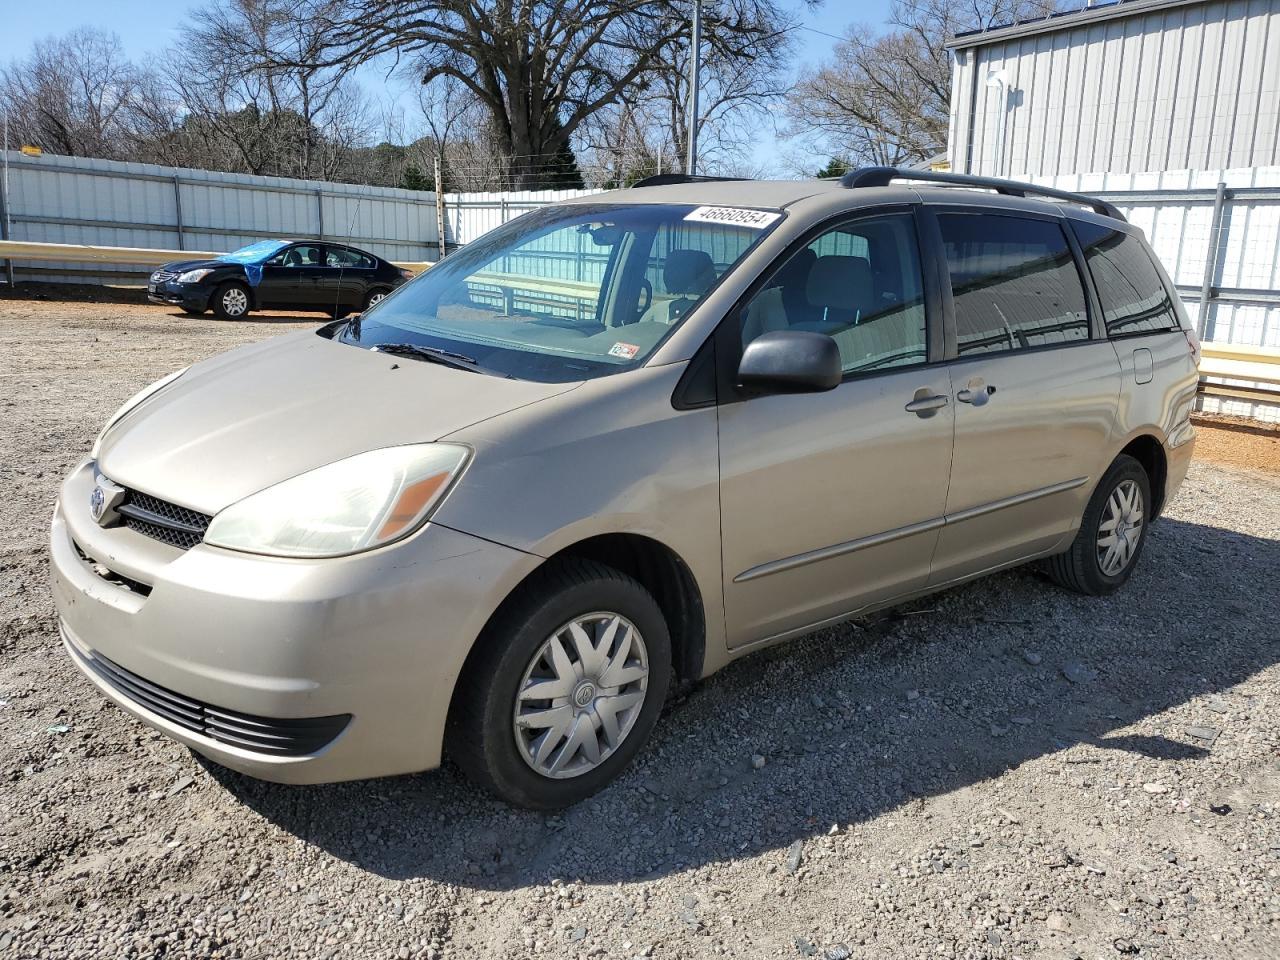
(833,501)
(1035,391)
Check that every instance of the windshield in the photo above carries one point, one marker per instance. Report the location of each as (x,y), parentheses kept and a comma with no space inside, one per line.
(255,252)
(567,292)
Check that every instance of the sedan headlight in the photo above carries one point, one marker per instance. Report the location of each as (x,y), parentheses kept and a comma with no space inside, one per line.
(354,504)
(132,402)
(194,276)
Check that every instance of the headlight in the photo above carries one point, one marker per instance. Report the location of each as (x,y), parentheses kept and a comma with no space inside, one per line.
(354,504)
(194,276)
(132,402)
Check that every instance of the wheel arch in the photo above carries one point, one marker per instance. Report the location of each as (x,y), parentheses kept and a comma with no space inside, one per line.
(657,568)
(1149,451)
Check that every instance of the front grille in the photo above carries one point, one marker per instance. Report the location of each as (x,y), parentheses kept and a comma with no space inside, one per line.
(160,276)
(285,738)
(162,520)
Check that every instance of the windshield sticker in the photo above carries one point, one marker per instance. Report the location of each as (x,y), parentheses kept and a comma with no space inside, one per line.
(626,351)
(734,217)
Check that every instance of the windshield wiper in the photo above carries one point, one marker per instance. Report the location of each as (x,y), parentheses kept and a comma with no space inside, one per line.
(459,361)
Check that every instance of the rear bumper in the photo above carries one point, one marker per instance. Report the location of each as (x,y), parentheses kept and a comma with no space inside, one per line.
(379,637)
(1179,449)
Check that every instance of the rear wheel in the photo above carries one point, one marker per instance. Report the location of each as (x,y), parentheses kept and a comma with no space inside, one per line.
(1112,532)
(232,301)
(565,688)
(375,297)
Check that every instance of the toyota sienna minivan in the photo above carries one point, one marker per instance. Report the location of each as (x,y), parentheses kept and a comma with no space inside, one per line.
(607,449)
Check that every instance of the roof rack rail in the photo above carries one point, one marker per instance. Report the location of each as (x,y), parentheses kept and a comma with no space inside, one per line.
(881,176)
(662,179)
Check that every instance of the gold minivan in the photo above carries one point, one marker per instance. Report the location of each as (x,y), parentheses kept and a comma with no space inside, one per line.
(610,447)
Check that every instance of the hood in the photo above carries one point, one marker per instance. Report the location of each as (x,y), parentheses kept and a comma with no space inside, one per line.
(239,422)
(180,266)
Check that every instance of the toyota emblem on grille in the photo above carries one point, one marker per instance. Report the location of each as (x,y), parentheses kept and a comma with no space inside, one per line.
(103,500)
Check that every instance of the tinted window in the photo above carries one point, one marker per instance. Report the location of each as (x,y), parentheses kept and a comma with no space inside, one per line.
(302,255)
(1134,298)
(1014,283)
(349,259)
(858,283)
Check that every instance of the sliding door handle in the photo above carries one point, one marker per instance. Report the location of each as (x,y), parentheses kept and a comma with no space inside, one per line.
(925,403)
(977,395)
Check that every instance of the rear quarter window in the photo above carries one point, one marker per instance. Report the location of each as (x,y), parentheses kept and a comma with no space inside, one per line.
(1132,292)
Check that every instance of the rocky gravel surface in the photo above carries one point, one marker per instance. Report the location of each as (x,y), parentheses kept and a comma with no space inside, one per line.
(1005,770)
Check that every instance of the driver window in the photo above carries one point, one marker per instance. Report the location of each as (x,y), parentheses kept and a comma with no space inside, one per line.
(860,284)
(303,255)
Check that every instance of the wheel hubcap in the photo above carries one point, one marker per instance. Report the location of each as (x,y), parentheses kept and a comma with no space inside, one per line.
(377,298)
(234,302)
(1120,529)
(581,695)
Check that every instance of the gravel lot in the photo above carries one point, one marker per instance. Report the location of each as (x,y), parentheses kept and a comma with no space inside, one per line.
(1005,770)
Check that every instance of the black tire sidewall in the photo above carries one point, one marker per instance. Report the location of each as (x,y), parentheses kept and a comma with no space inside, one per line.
(1124,468)
(218,294)
(534,621)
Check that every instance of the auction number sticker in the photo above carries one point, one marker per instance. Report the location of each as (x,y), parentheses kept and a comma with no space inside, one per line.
(734,216)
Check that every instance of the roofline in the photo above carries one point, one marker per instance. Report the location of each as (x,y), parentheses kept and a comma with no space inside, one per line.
(1115,10)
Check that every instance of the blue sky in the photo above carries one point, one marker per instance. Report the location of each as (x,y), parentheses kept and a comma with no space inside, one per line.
(147,27)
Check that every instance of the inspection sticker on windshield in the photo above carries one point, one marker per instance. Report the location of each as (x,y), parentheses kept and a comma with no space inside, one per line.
(734,216)
(626,351)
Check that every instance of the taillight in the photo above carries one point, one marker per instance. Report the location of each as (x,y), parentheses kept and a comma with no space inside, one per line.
(407,274)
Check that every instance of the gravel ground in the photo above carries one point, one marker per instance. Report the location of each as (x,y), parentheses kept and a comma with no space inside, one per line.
(1004,770)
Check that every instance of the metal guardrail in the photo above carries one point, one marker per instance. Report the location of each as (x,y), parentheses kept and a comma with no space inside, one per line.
(129,256)
(1255,365)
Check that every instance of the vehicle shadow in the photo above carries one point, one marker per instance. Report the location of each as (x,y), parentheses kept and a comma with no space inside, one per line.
(855,721)
(274,317)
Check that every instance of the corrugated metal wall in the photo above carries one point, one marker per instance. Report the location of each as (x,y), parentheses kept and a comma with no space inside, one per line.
(1191,85)
(56,199)
(107,203)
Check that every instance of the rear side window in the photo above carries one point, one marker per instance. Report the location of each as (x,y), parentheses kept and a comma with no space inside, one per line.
(349,259)
(1133,295)
(1014,283)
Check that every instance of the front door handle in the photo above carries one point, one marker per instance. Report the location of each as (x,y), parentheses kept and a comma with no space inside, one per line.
(976,394)
(926,403)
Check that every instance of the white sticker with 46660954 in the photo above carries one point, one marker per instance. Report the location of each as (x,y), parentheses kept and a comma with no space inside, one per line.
(733,216)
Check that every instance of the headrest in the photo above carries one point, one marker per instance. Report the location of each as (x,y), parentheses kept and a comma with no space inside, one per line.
(795,272)
(840,282)
(688,272)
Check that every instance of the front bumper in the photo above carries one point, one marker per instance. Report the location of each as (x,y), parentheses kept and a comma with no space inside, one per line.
(185,295)
(380,636)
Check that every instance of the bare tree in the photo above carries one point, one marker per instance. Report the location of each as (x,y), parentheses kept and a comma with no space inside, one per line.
(540,68)
(885,98)
(73,95)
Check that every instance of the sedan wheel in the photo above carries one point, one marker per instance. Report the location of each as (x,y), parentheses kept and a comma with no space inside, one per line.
(375,298)
(232,302)
(581,695)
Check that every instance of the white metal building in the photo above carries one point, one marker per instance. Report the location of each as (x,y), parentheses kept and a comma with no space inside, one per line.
(1138,85)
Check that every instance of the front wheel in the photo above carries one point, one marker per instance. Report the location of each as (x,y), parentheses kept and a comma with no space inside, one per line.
(1112,532)
(232,302)
(565,687)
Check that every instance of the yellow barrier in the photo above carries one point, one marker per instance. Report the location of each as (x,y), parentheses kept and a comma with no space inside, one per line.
(1234,362)
(133,256)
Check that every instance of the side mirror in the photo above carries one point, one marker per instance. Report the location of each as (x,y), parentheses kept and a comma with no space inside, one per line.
(790,361)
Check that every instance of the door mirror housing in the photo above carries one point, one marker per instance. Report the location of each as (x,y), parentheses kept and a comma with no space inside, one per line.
(790,361)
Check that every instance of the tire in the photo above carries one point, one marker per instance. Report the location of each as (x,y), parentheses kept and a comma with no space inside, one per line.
(499,752)
(232,301)
(1089,566)
(374,297)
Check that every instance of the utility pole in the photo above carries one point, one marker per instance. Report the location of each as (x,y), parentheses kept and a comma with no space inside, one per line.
(695,53)
(439,175)
(4,199)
